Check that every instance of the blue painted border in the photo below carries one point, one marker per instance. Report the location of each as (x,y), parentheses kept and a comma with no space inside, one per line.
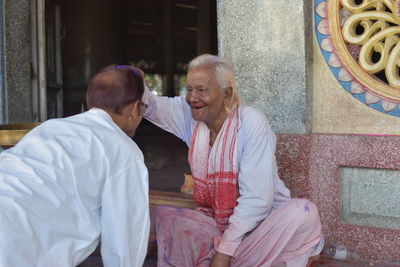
(335,71)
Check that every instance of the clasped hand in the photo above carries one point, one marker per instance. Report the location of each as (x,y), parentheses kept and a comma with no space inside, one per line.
(221,260)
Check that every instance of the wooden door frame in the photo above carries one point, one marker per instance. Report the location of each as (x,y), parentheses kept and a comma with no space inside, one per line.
(38,44)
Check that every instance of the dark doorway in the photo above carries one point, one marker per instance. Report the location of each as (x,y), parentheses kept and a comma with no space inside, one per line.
(160,37)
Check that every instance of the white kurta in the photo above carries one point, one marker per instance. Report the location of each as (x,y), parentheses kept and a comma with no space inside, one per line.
(68,184)
(260,187)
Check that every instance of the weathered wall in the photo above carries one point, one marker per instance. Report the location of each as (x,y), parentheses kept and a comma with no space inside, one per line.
(17,102)
(2,90)
(265,40)
(354,181)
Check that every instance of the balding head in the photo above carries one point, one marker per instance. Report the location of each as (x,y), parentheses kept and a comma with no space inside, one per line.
(115,87)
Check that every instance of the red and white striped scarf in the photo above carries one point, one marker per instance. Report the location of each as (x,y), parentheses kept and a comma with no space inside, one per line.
(215,170)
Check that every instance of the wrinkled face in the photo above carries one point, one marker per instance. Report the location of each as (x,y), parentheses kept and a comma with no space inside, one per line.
(204,94)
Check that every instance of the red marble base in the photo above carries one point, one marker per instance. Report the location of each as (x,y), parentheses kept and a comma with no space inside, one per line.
(309,166)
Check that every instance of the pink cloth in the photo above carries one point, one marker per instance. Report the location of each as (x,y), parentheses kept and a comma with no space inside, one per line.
(215,170)
(286,237)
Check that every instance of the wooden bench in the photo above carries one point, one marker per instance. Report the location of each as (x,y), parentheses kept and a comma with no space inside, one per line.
(170,198)
(10,134)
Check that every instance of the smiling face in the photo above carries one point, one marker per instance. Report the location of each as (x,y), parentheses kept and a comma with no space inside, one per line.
(204,95)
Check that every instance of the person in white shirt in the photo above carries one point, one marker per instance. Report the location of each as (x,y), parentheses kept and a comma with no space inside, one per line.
(72,182)
(245,215)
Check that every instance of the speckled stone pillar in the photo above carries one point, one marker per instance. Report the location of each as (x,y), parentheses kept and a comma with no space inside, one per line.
(16,89)
(267,43)
(2,88)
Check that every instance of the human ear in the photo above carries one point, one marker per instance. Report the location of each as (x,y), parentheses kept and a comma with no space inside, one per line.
(135,108)
(228,92)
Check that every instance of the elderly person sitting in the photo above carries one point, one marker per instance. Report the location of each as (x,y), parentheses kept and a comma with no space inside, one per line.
(245,216)
(72,182)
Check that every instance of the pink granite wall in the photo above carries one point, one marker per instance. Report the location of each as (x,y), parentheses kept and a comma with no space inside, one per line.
(309,165)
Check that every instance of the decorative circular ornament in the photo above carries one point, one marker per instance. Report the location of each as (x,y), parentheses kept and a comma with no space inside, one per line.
(360,42)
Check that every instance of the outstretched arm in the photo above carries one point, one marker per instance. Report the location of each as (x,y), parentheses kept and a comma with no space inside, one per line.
(169,113)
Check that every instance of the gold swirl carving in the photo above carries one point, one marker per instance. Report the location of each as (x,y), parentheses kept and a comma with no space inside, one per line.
(379,5)
(374,26)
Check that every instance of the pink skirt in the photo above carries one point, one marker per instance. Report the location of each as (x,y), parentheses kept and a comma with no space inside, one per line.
(286,237)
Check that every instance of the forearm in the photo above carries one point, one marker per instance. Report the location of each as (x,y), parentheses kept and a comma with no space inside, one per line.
(169,113)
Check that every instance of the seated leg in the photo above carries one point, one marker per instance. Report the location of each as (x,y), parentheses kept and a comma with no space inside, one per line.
(286,236)
(184,236)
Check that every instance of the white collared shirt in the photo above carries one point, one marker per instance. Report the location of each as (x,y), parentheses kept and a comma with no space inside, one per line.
(68,184)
